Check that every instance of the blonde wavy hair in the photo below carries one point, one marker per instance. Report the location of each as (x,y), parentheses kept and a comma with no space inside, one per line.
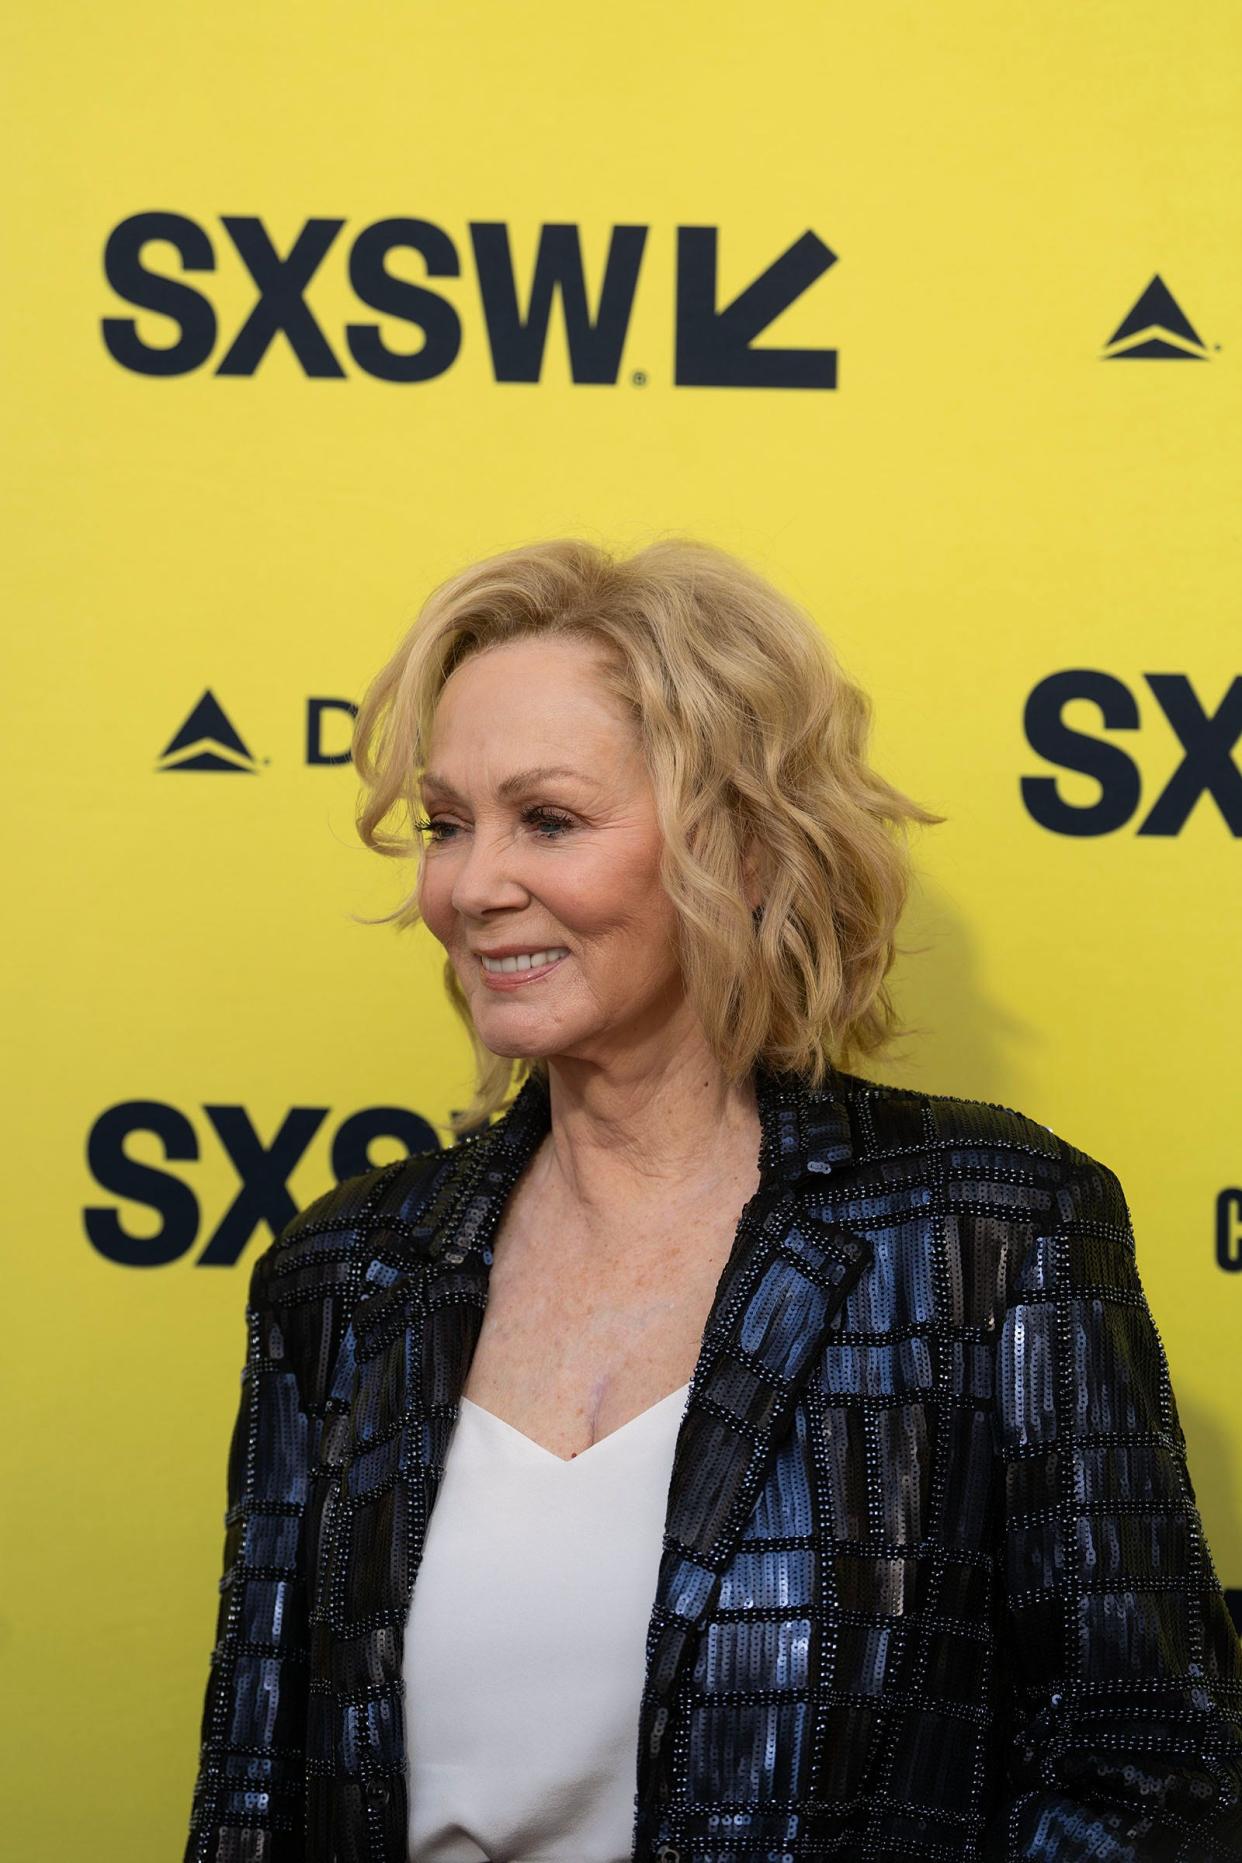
(755,744)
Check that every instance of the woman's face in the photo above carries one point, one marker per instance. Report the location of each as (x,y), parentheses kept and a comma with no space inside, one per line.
(564,863)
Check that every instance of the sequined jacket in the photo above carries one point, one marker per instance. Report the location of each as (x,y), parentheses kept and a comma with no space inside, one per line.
(933,1583)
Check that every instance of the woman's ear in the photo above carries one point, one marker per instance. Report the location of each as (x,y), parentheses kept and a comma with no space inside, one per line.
(750,881)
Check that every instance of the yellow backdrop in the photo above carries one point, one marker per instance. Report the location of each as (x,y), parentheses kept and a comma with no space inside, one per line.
(278,289)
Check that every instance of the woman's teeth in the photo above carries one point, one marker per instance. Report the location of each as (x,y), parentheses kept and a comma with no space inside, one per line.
(531,962)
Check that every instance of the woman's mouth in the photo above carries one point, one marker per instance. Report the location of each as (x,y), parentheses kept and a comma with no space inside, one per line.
(510,973)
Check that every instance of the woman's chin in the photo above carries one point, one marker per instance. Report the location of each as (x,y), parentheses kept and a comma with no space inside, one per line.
(494,1035)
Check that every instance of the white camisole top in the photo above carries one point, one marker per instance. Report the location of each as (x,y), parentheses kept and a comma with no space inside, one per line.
(525,1642)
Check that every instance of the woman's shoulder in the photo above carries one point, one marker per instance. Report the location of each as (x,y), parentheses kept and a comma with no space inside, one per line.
(317,1249)
(968,1136)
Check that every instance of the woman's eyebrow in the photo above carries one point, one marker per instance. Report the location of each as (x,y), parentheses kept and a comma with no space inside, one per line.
(514,785)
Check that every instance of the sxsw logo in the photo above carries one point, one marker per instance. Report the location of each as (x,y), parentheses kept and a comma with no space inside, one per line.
(262,1198)
(209,741)
(1205,740)
(713,342)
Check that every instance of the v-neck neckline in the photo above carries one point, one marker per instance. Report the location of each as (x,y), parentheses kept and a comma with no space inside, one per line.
(572,1461)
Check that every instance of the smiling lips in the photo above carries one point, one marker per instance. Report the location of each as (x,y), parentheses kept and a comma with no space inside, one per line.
(524,960)
(506,972)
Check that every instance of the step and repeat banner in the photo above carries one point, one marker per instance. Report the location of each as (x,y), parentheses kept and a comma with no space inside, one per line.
(931,314)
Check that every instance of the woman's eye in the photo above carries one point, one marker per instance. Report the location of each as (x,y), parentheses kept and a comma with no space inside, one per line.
(423,826)
(548,818)
(548,822)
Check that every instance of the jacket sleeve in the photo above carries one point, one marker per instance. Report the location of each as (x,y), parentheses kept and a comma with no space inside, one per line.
(248,1797)
(1116,1649)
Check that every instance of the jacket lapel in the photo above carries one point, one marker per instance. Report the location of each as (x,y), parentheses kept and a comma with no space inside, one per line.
(781,1291)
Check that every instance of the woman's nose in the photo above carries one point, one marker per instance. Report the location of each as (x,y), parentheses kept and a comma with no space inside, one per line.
(487,874)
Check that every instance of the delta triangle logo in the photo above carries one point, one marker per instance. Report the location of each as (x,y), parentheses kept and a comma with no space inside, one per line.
(1157,329)
(208,740)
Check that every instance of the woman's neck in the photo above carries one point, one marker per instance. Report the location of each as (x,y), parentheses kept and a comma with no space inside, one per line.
(654,1137)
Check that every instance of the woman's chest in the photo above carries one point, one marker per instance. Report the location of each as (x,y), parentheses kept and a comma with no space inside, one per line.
(584,1333)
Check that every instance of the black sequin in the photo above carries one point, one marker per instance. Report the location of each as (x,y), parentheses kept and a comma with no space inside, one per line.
(934,1585)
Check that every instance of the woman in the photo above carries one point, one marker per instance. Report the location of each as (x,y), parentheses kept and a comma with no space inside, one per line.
(806,1478)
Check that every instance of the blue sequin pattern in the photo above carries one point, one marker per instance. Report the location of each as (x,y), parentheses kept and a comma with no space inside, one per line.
(933,1584)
